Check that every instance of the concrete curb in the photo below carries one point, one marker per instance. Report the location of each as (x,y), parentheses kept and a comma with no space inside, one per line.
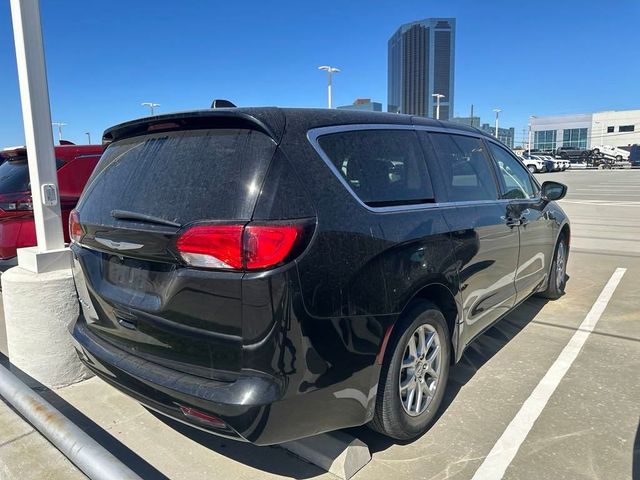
(336,452)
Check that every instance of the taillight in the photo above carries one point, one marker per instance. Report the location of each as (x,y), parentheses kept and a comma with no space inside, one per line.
(238,247)
(213,246)
(75,229)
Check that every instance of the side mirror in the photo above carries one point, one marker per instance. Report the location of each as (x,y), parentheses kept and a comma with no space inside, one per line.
(553,191)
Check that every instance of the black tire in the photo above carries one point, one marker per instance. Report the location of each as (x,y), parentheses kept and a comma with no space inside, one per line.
(556,285)
(390,417)
(618,158)
(532,169)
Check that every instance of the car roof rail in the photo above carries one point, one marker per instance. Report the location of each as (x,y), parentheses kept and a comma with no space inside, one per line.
(222,103)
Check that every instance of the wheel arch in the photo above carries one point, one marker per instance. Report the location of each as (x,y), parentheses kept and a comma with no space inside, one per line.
(440,295)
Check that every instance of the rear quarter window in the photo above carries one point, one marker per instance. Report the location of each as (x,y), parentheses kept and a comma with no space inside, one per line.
(381,167)
(180,176)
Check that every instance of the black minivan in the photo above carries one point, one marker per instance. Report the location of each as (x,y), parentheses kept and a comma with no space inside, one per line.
(268,274)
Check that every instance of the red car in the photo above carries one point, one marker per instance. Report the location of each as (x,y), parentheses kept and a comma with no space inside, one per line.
(17,228)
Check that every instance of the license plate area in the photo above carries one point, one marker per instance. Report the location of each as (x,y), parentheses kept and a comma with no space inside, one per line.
(133,274)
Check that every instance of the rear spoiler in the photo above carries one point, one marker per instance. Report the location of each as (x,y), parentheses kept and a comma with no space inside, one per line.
(194,120)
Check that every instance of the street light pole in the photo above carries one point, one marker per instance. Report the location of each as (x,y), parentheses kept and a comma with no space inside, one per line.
(531,117)
(437,96)
(151,106)
(497,110)
(59,125)
(88,134)
(330,71)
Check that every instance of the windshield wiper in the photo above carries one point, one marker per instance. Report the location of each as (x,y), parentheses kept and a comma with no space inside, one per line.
(142,217)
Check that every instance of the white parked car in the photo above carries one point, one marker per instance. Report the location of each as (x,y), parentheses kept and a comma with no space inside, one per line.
(611,152)
(534,165)
(556,162)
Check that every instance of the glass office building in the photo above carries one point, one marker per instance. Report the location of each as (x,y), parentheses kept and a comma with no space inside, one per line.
(574,137)
(545,140)
(421,63)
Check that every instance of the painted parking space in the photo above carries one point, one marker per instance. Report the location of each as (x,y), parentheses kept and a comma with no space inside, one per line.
(496,376)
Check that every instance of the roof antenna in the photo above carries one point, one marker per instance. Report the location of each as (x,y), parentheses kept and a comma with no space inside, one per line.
(221,103)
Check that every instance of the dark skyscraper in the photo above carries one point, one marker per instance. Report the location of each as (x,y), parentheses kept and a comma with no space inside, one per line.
(421,63)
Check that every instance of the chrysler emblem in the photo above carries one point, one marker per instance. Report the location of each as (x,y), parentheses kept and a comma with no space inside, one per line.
(114,245)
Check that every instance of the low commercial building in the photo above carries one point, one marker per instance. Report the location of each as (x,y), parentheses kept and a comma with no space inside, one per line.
(363,104)
(618,128)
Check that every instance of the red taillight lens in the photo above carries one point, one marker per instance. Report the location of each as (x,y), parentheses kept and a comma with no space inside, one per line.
(213,246)
(237,247)
(75,229)
(266,246)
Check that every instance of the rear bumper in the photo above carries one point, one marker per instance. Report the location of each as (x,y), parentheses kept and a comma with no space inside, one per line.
(256,408)
(243,405)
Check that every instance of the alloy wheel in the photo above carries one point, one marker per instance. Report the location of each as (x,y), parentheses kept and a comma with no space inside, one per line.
(560,264)
(420,370)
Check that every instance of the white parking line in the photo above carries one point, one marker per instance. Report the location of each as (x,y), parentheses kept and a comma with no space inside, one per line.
(505,449)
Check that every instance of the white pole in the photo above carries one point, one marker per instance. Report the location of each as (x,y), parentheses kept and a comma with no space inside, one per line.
(329,98)
(529,136)
(437,96)
(36,113)
(497,110)
(330,71)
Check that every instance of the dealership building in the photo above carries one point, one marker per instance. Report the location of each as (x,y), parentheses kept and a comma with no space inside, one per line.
(586,130)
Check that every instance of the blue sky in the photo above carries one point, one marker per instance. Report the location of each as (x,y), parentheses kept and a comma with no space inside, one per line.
(104,59)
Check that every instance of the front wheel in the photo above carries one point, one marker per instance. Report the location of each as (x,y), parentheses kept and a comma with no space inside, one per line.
(414,373)
(532,169)
(558,275)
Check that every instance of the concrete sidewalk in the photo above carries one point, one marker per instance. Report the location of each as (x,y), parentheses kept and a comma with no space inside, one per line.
(25,454)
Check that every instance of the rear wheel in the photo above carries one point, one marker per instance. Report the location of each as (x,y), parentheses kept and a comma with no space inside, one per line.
(558,275)
(532,169)
(414,374)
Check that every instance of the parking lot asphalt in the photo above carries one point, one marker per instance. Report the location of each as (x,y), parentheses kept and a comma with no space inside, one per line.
(588,429)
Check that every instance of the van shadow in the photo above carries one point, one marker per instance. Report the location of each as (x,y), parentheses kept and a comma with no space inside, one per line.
(479,352)
(270,459)
(127,456)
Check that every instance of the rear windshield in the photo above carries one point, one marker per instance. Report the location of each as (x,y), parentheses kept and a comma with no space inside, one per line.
(14,175)
(179,176)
